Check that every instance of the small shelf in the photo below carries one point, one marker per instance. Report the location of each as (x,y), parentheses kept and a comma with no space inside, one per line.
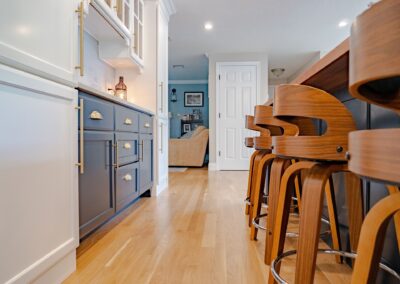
(111,23)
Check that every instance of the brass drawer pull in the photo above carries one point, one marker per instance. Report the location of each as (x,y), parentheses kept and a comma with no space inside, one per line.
(128,121)
(127,146)
(81,163)
(147,125)
(95,115)
(128,177)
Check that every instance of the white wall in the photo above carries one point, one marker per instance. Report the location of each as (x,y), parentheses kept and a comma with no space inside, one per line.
(142,87)
(98,74)
(232,57)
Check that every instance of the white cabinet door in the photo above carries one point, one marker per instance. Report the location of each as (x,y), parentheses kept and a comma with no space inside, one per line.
(40,37)
(162,64)
(38,177)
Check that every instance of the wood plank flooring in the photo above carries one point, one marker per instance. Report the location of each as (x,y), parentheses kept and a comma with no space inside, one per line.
(194,232)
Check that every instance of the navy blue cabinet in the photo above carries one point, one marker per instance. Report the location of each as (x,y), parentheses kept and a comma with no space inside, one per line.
(96,185)
(146,162)
(118,160)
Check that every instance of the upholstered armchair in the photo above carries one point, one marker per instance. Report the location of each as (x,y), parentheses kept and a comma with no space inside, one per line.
(189,151)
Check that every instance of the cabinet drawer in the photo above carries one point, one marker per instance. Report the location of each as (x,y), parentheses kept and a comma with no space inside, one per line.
(126,119)
(98,114)
(146,123)
(126,181)
(127,148)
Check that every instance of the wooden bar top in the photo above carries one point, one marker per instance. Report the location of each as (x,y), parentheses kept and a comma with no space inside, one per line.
(330,73)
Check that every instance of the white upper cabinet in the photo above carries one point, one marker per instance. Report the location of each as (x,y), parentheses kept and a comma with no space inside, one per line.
(40,37)
(137,46)
(118,27)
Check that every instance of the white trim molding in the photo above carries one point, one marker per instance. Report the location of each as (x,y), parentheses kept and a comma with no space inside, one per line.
(188,82)
(212,167)
(168,6)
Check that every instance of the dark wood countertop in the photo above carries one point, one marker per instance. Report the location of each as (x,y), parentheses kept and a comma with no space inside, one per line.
(330,73)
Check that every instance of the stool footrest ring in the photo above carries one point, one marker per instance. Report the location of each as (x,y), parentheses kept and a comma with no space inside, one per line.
(256,223)
(345,254)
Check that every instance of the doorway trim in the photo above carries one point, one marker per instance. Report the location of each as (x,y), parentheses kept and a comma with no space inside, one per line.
(257,64)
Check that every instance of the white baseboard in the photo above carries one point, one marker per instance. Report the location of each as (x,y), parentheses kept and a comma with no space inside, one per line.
(60,271)
(212,167)
(162,185)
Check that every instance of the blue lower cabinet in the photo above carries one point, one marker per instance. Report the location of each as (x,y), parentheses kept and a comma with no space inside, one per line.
(146,162)
(96,184)
(126,185)
(118,161)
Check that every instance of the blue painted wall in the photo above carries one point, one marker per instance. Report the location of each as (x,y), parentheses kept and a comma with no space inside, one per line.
(178,108)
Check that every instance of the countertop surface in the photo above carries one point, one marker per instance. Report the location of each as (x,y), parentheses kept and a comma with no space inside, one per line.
(108,97)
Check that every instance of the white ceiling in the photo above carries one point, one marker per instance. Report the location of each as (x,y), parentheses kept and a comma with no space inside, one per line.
(291,31)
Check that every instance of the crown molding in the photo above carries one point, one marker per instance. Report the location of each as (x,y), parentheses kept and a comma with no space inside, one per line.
(168,6)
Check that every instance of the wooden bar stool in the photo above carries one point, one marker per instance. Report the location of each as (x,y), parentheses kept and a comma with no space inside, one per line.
(254,160)
(375,154)
(263,118)
(296,126)
(322,156)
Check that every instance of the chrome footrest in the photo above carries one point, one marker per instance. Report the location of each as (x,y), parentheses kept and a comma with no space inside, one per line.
(351,255)
(256,224)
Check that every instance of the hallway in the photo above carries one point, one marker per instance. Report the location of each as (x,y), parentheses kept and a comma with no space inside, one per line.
(194,232)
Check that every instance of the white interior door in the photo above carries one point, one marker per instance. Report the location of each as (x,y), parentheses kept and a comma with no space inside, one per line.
(237,96)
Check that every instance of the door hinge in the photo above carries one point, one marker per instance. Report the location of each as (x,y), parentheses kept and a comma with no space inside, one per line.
(219,153)
(219,77)
(219,115)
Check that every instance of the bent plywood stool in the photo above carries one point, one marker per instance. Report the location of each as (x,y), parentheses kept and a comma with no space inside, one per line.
(263,143)
(321,156)
(375,154)
(294,126)
(254,159)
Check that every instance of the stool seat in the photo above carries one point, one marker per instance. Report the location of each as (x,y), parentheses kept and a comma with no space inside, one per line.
(374,55)
(375,154)
(249,142)
(262,143)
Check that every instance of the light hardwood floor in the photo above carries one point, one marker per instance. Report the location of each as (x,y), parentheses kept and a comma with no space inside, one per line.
(194,232)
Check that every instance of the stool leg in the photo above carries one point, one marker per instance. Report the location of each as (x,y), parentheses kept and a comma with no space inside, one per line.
(310,223)
(258,190)
(250,179)
(254,178)
(283,210)
(278,168)
(372,237)
(354,199)
(393,190)
(333,217)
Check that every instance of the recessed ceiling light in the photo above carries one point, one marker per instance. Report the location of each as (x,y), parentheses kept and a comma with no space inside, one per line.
(208,26)
(343,24)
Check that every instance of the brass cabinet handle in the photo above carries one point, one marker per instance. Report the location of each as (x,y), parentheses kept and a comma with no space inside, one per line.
(127,146)
(141,156)
(95,115)
(147,125)
(128,121)
(162,97)
(161,138)
(80,12)
(127,177)
(116,165)
(81,163)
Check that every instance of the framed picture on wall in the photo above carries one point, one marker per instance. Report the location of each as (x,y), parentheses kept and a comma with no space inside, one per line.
(186,127)
(194,99)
